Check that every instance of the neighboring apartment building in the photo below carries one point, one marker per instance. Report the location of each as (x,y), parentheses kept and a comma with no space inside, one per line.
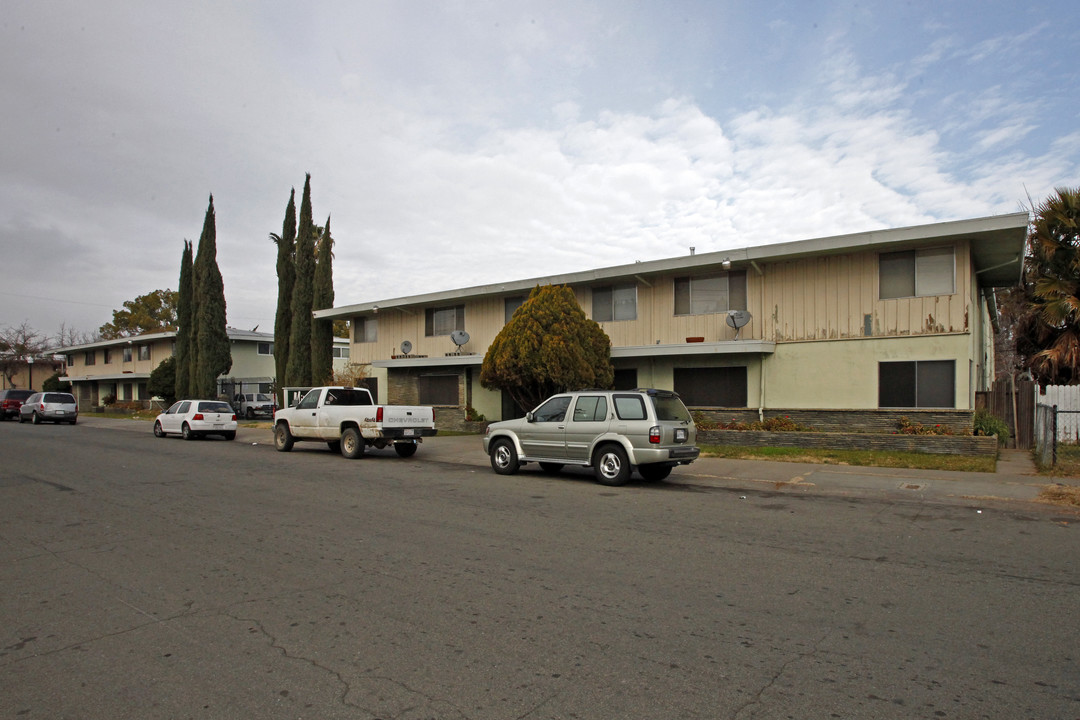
(28,372)
(889,319)
(121,368)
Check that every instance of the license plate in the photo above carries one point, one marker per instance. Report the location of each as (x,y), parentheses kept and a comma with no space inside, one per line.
(218,426)
(409,433)
(58,412)
(680,435)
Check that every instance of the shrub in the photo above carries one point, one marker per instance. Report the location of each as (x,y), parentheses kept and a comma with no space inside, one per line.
(986,423)
(916,428)
(108,400)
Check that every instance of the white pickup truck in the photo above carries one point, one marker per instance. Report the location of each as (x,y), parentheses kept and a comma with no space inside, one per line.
(348,420)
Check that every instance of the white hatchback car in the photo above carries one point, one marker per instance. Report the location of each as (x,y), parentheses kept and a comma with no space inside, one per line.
(197,418)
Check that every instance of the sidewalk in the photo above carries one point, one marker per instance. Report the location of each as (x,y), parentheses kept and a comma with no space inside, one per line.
(1015,479)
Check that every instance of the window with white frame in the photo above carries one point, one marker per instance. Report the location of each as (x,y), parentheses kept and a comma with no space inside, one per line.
(144,352)
(704,294)
(265,348)
(614,302)
(365,329)
(127,354)
(341,352)
(443,321)
(917,384)
(916,273)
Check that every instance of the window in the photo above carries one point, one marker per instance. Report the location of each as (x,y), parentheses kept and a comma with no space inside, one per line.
(127,354)
(144,352)
(265,348)
(310,401)
(713,387)
(438,389)
(510,306)
(710,293)
(629,407)
(614,302)
(106,356)
(554,410)
(70,359)
(916,273)
(90,357)
(443,321)
(591,409)
(341,352)
(365,329)
(917,384)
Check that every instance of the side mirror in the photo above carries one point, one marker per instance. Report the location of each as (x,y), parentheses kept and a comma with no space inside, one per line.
(529,417)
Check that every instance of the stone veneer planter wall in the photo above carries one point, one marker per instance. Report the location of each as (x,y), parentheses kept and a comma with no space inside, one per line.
(858,421)
(936,444)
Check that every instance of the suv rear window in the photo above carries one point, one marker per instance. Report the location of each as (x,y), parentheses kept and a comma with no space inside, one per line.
(59,398)
(670,407)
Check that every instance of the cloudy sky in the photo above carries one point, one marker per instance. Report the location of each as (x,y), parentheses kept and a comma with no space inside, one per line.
(458,143)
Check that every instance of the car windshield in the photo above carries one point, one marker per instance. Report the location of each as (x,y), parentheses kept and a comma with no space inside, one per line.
(215,407)
(669,407)
(262,398)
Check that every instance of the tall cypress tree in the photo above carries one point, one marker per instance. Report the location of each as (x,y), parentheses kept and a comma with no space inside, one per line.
(298,370)
(211,339)
(322,331)
(184,325)
(286,272)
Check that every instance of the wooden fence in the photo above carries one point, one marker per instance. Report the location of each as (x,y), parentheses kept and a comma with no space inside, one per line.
(1008,405)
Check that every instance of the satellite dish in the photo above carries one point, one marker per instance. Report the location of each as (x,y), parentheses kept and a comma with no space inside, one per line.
(406,347)
(737,319)
(460,337)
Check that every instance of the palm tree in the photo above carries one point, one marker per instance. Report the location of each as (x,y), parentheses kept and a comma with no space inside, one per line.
(1052,332)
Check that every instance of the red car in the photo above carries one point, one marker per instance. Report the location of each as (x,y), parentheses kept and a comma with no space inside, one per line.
(11,401)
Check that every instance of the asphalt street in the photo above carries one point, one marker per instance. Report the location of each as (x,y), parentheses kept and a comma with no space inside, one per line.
(157,578)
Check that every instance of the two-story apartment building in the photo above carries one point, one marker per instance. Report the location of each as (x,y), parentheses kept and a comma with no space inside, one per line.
(121,368)
(891,319)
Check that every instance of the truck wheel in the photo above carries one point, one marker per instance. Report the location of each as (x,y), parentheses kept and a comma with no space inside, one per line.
(405,450)
(611,465)
(283,439)
(504,458)
(352,443)
(250,413)
(654,473)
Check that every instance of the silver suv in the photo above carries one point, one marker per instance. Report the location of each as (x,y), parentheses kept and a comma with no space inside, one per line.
(612,431)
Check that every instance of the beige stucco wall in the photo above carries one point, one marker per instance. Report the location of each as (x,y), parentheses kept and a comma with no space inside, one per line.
(844,373)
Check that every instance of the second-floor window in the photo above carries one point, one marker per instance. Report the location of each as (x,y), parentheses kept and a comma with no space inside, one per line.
(614,302)
(266,348)
(443,321)
(106,356)
(144,352)
(90,357)
(127,354)
(916,273)
(705,294)
(510,306)
(365,330)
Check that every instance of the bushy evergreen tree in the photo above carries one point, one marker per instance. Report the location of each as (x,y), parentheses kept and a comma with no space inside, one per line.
(286,272)
(162,381)
(322,331)
(184,325)
(211,337)
(298,370)
(548,346)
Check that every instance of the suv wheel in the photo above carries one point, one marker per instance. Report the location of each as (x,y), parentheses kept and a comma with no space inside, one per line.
(504,458)
(611,465)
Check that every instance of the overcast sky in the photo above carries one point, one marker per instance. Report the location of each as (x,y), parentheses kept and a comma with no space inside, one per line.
(461,143)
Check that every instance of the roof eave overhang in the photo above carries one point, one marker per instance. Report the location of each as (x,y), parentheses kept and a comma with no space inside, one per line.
(995,240)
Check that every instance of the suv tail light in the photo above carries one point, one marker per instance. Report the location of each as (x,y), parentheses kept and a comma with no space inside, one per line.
(654,434)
